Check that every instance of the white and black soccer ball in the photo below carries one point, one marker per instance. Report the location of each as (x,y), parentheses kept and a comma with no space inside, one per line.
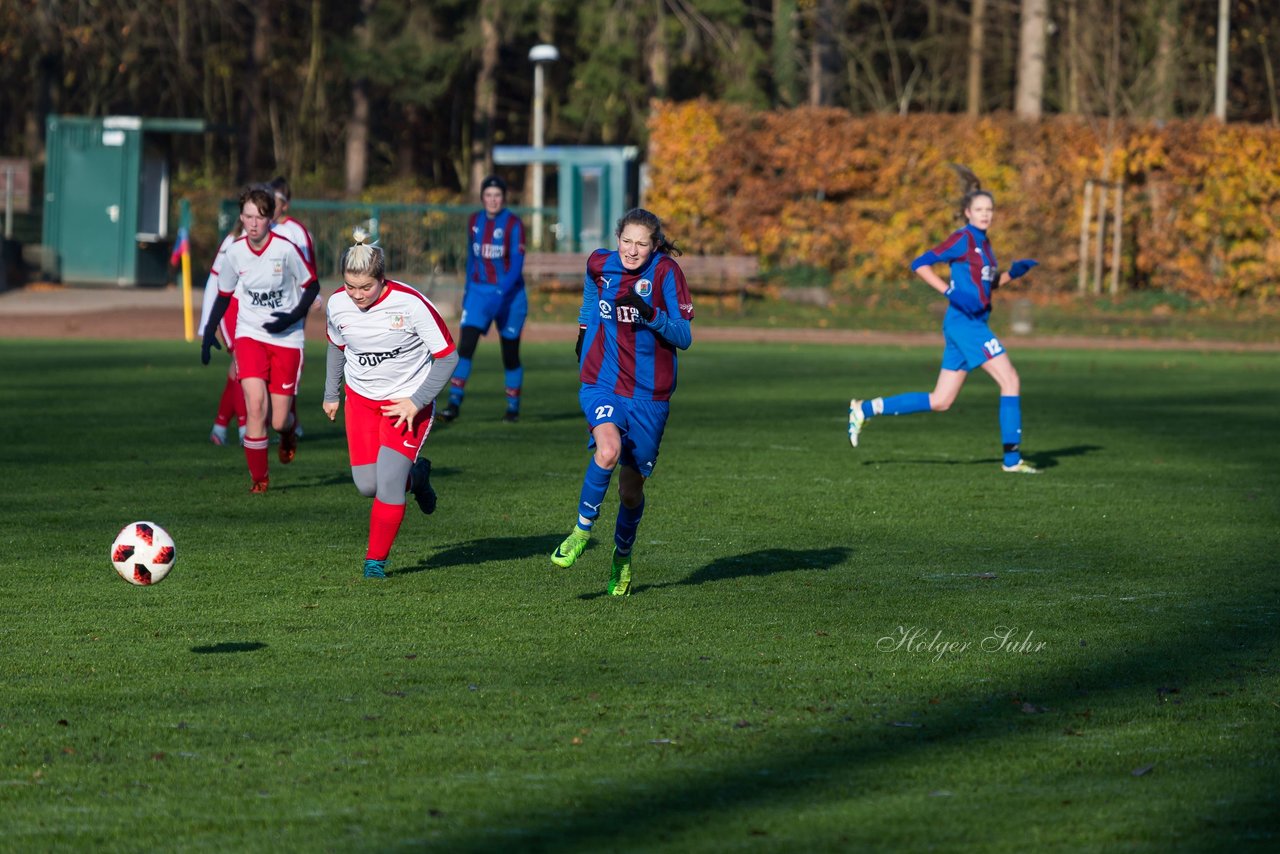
(143,553)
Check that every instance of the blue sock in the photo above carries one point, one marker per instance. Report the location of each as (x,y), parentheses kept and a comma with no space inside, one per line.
(1011,428)
(904,404)
(515,379)
(624,531)
(594,486)
(458,384)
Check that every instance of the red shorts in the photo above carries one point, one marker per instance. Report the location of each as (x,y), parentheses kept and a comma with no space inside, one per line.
(368,430)
(280,367)
(228,324)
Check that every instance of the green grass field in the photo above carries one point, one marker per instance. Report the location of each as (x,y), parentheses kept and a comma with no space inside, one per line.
(893,648)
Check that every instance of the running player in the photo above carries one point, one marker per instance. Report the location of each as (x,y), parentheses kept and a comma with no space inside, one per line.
(396,355)
(494,293)
(970,343)
(636,312)
(275,286)
(296,233)
(231,403)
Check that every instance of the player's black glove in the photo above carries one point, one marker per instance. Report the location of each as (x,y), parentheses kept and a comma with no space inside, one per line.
(283,320)
(634,300)
(209,343)
(577,348)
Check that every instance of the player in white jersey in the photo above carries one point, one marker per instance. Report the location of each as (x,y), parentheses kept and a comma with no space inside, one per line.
(275,286)
(285,225)
(394,350)
(231,403)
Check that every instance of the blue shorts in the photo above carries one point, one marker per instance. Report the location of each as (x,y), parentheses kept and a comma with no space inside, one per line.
(481,307)
(641,423)
(970,342)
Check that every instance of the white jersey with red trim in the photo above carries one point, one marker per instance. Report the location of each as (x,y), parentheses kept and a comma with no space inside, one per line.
(391,347)
(265,281)
(297,234)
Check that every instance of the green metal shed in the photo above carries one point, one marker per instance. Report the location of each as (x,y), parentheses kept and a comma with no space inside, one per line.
(106,204)
(596,184)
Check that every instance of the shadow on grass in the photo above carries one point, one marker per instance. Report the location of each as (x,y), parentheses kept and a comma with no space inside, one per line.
(848,761)
(482,551)
(755,564)
(229,646)
(1041,459)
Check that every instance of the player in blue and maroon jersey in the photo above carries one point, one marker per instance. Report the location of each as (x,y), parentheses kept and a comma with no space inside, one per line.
(636,312)
(494,294)
(970,343)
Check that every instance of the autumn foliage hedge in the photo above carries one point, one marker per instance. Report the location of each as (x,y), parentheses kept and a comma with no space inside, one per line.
(863,195)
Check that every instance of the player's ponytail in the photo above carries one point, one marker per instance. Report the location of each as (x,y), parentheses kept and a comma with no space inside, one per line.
(645,219)
(970,187)
(364,257)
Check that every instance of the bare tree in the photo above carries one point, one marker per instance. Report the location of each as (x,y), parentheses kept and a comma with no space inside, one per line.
(484,112)
(659,58)
(977,37)
(1029,96)
(784,52)
(357,160)
(824,53)
(252,104)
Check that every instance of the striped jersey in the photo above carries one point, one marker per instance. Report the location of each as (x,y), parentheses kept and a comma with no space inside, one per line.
(495,250)
(973,267)
(391,347)
(265,281)
(620,351)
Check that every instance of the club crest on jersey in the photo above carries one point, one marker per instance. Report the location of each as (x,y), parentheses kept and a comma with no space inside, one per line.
(644,287)
(397,321)
(497,234)
(277,266)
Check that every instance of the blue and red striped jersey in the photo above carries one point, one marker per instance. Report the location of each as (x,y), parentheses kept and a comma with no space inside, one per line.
(972,260)
(620,351)
(495,250)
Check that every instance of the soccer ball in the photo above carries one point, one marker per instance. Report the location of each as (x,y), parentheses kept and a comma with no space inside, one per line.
(143,553)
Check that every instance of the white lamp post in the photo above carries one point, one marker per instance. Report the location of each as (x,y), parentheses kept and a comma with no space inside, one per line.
(539,55)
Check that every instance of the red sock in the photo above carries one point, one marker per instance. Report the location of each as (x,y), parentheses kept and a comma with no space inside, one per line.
(255,454)
(231,393)
(241,412)
(384,524)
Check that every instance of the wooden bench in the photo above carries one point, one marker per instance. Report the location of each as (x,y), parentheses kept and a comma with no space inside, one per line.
(713,275)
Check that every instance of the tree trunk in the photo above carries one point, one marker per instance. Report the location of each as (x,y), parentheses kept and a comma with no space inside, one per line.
(659,59)
(1165,70)
(485,112)
(308,105)
(253,104)
(357,165)
(784,52)
(977,38)
(406,149)
(824,54)
(1029,97)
